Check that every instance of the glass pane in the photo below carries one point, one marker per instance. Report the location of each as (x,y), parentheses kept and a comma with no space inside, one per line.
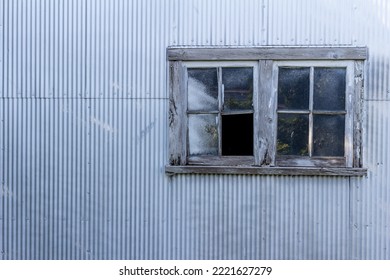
(293,88)
(293,131)
(328,135)
(202,89)
(329,88)
(238,88)
(237,135)
(203,134)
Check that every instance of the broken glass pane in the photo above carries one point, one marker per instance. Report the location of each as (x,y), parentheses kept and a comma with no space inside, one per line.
(328,135)
(238,88)
(293,88)
(329,88)
(202,89)
(237,135)
(293,131)
(203,134)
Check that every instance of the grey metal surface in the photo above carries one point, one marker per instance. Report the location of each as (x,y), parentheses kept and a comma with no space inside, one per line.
(83,136)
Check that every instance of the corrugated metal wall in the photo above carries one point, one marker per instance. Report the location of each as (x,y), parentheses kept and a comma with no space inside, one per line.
(83,110)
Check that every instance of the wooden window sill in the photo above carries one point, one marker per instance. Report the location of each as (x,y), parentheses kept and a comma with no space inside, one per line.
(253,170)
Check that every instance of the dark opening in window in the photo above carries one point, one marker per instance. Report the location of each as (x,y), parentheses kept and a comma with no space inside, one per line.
(237,135)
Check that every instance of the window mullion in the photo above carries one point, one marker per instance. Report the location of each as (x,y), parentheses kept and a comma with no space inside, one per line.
(265,110)
(256,115)
(311,97)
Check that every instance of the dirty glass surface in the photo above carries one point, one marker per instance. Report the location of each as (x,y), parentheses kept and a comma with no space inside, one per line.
(202,89)
(293,88)
(329,88)
(238,88)
(203,134)
(328,135)
(292,134)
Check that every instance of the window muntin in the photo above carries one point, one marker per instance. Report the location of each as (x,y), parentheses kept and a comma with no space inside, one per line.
(220,111)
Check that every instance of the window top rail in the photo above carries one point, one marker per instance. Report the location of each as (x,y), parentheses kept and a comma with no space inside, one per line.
(274,53)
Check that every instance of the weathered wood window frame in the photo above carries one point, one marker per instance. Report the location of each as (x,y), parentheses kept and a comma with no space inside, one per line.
(266,63)
(219,65)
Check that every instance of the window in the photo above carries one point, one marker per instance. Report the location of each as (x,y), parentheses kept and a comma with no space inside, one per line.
(292,111)
(314,117)
(220,112)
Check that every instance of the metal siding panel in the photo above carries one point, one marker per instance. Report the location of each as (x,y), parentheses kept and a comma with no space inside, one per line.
(2,46)
(334,23)
(252,217)
(217,23)
(84,48)
(83,134)
(372,23)
(83,195)
(371,196)
(305,22)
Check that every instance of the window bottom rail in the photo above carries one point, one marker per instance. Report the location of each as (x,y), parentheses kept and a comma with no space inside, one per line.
(254,170)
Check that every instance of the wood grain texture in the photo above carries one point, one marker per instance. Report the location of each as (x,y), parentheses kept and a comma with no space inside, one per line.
(350,107)
(177,115)
(267,116)
(274,53)
(358,114)
(299,161)
(251,170)
(221,160)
